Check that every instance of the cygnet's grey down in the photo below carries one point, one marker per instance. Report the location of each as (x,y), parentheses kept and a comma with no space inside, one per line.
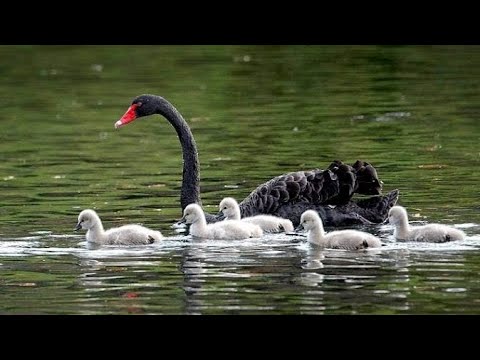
(269,223)
(124,235)
(339,239)
(398,217)
(223,230)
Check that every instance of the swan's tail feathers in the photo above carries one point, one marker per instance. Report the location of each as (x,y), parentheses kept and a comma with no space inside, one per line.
(367,178)
(376,208)
(391,198)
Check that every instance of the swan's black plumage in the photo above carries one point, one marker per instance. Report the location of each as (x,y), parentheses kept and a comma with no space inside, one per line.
(334,186)
(327,191)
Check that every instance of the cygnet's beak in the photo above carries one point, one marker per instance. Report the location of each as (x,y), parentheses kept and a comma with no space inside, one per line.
(220,216)
(78,227)
(299,228)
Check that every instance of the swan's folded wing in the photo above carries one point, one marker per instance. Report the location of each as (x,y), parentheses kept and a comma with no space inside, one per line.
(314,186)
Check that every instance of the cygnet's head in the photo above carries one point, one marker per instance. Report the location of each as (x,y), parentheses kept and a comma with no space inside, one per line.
(227,206)
(191,214)
(396,214)
(309,220)
(86,220)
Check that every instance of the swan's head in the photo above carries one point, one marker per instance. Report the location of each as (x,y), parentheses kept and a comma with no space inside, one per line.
(142,105)
(86,220)
(397,214)
(192,213)
(367,179)
(228,206)
(309,220)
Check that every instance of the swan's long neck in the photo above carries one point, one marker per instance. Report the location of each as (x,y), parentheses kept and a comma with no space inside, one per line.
(316,235)
(191,166)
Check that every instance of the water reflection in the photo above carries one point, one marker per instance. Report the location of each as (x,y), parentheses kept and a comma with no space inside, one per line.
(236,277)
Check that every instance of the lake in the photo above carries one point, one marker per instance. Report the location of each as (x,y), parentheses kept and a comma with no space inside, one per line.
(255,112)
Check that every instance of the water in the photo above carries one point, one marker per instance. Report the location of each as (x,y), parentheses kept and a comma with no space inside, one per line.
(255,112)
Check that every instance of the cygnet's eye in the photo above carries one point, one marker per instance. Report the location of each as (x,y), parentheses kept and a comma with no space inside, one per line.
(224,208)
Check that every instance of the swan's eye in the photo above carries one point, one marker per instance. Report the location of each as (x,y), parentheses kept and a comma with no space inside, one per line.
(139,104)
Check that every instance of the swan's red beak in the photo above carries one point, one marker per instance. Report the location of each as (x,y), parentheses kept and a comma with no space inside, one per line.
(129,116)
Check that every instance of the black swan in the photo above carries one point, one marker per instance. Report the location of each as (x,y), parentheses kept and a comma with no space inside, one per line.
(327,191)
